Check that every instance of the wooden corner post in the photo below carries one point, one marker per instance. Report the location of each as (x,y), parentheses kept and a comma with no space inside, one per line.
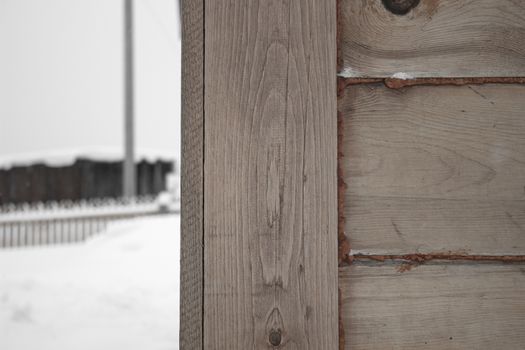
(268,164)
(192,175)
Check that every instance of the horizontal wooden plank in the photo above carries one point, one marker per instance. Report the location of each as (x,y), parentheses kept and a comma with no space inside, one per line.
(433,307)
(433,169)
(450,142)
(382,225)
(437,38)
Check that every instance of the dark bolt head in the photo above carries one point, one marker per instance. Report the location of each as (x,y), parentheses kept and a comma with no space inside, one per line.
(275,337)
(400,7)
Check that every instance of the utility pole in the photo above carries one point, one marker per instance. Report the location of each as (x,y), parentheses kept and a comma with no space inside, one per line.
(129,177)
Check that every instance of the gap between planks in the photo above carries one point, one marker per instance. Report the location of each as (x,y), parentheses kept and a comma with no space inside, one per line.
(423,258)
(398,83)
(405,262)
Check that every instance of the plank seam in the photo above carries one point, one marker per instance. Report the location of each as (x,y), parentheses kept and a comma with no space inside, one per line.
(343,243)
(409,261)
(398,83)
(203,90)
(423,257)
(343,246)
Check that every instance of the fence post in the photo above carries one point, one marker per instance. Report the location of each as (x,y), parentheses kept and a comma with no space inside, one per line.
(259,169)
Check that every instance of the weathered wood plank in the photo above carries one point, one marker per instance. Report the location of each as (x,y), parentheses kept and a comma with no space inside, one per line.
(437,38)
(192,176)
(435,169)
(434,307)
(463,142)
(270,175)
(383,225)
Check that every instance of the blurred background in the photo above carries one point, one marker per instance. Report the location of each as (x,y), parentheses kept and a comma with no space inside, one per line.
(89,174)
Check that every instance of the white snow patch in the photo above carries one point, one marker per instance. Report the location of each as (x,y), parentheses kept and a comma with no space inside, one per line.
(349,72)
(67,157)
(354,252)
(119,290)
(402,76)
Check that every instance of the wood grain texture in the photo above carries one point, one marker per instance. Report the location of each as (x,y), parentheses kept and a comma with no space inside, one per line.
(438,38)
(434,169)
(434,307)
(270,175)
(382,225)
(192,176)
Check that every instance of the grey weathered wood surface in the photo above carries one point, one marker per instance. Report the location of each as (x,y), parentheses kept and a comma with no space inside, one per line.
(270,175)
(434,307)
(383,225)
(192,231)
(435,168)
(438,38)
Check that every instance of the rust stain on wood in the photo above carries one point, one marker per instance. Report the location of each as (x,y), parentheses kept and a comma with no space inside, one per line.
(421,258)
(396,83)
(342,83)
(400,83)
(343,243)
(409,261)
(343,246)
(339,35)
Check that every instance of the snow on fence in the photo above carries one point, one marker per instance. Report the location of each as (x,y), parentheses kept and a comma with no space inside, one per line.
(67,222)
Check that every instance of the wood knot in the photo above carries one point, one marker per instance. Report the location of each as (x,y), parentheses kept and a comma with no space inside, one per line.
(274,328)
(275,337)
(400,7)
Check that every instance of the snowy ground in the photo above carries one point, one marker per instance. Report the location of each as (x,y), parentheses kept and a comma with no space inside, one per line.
(117,291)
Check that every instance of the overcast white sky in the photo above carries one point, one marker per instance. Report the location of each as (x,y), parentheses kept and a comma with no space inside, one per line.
(61,81)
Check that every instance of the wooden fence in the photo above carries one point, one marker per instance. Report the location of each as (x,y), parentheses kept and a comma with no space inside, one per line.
(71,222)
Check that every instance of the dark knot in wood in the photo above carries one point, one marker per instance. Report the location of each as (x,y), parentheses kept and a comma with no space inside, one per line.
(275,337)
(400,7)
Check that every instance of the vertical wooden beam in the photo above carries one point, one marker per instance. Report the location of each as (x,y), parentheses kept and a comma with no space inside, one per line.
(270,187)
(192,165)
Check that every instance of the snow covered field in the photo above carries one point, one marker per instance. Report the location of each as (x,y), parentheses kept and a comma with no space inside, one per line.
(119,290)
